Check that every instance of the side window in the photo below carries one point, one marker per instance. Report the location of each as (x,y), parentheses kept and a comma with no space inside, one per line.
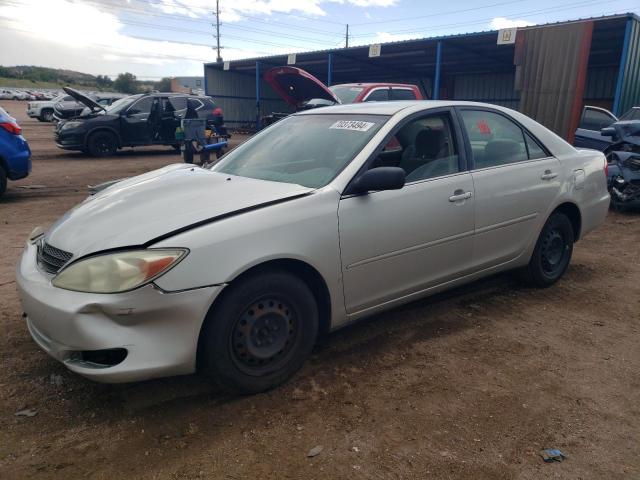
(423,148)
(595,119)
(380,95)
(495,140)
(402,94)
(194,103)
(141,106)
(533,148)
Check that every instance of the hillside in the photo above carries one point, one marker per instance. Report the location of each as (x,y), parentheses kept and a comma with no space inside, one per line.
(26,76)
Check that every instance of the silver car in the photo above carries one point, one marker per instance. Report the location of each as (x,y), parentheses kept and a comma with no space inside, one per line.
(326,217)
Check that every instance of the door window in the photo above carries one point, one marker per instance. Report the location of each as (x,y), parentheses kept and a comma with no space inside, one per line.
(141,106)
(424,148)
(379,95)
(593,119)
(402,94)
(495,140)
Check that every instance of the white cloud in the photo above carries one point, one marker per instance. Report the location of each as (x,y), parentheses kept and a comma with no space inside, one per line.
(382,37)
(502,22)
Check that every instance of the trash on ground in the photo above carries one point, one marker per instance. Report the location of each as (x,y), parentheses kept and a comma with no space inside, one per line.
(27,412)
(315,451)
(552,455)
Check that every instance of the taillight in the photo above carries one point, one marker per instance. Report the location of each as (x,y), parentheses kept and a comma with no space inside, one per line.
(11,128)
(217,112)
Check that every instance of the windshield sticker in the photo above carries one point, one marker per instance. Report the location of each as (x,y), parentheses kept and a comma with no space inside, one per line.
(355,125)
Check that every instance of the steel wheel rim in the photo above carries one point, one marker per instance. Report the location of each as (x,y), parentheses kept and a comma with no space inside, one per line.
(264,335)
(105,145)
(553,252)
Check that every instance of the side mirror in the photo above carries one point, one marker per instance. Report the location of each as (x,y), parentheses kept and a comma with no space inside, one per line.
(608,132)
(380,178)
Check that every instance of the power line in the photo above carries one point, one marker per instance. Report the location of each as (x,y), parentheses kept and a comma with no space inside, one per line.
(488,19)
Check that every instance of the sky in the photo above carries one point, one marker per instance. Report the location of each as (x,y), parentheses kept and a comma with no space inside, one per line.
(159,38)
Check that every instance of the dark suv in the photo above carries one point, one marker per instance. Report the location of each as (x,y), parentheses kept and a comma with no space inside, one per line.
(138,120)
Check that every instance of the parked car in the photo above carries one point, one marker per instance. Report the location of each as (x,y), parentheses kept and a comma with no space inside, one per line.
(65,110)
(43,110)
(308,226)
(302,90)
(137,120)
(7,94)
(623,157)
(15,155)
(593,120)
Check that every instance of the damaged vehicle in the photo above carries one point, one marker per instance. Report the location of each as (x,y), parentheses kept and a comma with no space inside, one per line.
(136,120)
(66,109)
(235,270)
(303,91)
(623,157)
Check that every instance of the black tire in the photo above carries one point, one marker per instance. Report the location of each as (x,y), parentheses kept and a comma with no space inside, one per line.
(3,181)
(46,116)
(552,253)
(102,144)
(259,333)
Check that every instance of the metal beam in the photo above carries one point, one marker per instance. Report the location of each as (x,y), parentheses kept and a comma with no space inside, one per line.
(436,81)
(623,67)
(257,96)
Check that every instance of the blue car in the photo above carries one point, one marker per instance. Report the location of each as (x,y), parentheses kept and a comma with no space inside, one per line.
(15,155)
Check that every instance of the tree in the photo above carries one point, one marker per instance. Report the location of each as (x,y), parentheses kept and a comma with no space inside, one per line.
(163,85)
(103,81)
(126,83)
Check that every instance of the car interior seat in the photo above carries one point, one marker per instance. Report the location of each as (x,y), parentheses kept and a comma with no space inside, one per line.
(429,144)
(500,152)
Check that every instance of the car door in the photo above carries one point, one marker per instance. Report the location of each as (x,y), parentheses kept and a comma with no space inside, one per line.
(515,179)
(593,120)
(400,242)
(136,122)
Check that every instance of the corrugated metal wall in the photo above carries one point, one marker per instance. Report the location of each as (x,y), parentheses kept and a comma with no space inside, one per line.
(496,88)
(601,86)
(235,93)
(630,84)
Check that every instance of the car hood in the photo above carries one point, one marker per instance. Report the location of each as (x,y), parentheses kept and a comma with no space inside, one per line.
(296,86)
(81,98)
(158,204)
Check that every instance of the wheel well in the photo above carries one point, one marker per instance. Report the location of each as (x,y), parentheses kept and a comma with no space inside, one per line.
(308,275)
(573,214)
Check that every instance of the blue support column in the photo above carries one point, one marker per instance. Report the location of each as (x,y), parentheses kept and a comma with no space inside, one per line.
(623,66)
(436,80)
(257,96)
(329,68)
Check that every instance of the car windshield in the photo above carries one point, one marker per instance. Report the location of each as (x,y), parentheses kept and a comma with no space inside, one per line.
(308,150)
(345,93)
(119,105)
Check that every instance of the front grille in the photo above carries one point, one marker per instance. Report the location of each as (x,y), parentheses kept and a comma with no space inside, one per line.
(50,258)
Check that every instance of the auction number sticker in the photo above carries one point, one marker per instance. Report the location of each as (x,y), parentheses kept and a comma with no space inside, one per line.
(356,125)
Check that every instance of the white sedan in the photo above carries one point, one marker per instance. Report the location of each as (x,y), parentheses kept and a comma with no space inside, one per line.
(326,217)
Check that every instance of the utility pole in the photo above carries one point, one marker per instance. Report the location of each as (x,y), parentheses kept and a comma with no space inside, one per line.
(346,38)
(217,14)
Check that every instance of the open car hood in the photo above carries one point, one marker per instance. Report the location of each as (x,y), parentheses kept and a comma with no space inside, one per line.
(82,98)
(296,86)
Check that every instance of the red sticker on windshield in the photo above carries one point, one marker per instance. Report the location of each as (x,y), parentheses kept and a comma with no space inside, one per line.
(483,127)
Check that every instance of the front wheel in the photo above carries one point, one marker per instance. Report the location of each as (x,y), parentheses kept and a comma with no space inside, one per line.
(102,144)
(46,116)
(260,333)
(552,253)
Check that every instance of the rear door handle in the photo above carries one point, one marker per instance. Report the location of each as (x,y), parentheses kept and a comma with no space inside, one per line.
(460,195)
(548,175)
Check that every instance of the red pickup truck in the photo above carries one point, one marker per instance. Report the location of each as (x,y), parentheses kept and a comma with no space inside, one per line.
(302,90)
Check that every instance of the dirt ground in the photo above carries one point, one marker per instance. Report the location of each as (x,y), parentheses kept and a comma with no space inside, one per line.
(467,385)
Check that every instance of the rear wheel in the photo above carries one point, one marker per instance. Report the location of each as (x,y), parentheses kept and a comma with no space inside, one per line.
(3,181)
(260,333)
(552,253)
(102,144)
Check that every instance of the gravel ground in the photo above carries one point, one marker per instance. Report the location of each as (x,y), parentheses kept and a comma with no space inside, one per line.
(467,385)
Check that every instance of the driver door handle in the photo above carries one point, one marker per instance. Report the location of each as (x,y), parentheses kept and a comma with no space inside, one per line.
(460,195)
(548,175)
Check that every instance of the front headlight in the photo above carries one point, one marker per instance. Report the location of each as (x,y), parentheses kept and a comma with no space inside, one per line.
(118,272)
(69,125)
(35,234)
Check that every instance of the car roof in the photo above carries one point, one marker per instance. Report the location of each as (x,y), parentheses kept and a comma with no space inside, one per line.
(391,107)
